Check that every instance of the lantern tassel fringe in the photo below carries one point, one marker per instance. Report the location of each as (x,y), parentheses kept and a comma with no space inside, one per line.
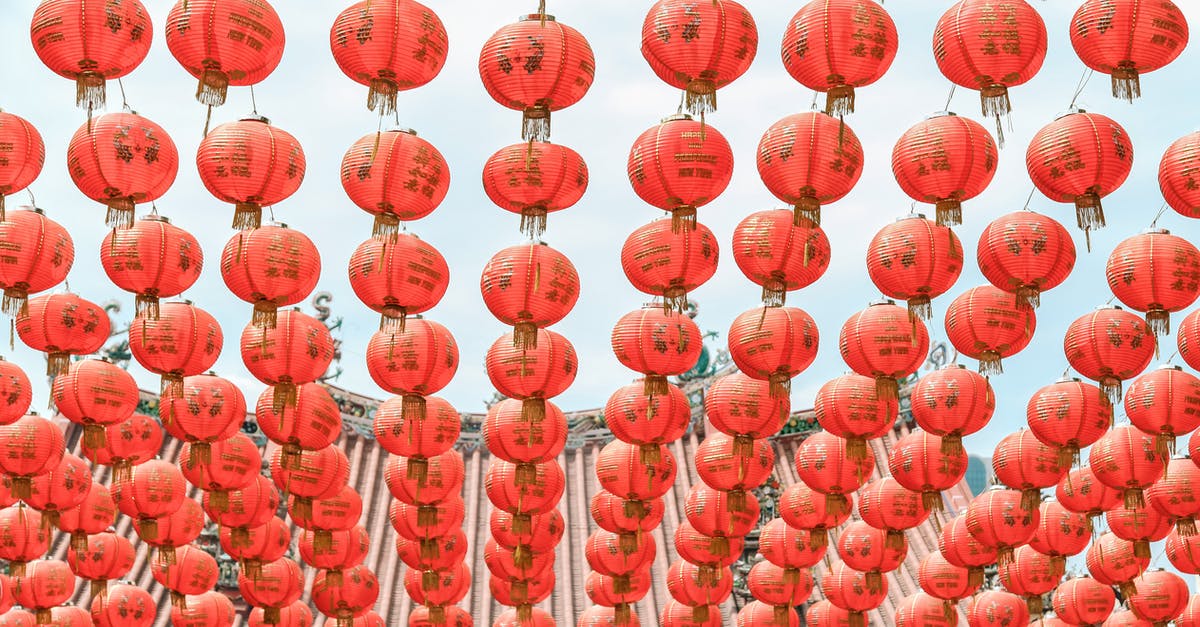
(533,221)
(699,613)
(393,319)
(995,103)
(98,587)
(781,614)
(146,305)
(948,212)
(1110,387)
(95,436)
(525,335)
(266,314)
(386,227)
(1186,526)
(247,216)
(654,385)
(839,100)
(90,91)
(780,385)
(1029,296)
(683,218)
(932,501)
(818,538)
(874,581)
(120,213)
(857,619)
(213,87)
(418,470)
(381,96)
(1034,604)
(675,299)
(16,302)
(622,614)
(628,543)
(650,454)
(252,569)
(1127,588)
(952,445)
(807,212)
(526,474)
(920,307)
(1031,499)
(701,97)
(1126,84)
(535,124)
(1159,321)
(412,407)
(533,410)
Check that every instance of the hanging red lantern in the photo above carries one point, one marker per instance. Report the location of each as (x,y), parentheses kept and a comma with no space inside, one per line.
(61,488)
(536,66)
(622,470)
(39,254)
(1176,496)
(699,48)
(825,614)
(713,513)
(804,508)
(952,402)
(1161,596)
(915,260)
(867,549)
(314,423)
(924,610)
(1187,338)
(985,323)
(946,582)
(23,537)
(808,160)
(270,267)
(545,530)
(505,563)
(265,543)
(1068,414)
(192,572)
(207,410)
(743,408)
(327,514)
(657,344)
(443,476)
(998,519)
(699,549)
(26,155)
(627,519)
(1156,273)
(847,589)
(788,548)
(883,342)
(156,489)
(394,175)
(1191,614)
(423,522)
(1127,460)
(415,362)
(945,159)
(1031,575)
(1158,403)
(1183,552)
(773,344)
(648,420)
(1083,601)
(390,48)
(398,277)
(1109,345)
(295,615)
(296,351)
(45,584)
(601,590)
(918,463)
(95,394)
(1080,157)
(534,180)
(996,608)
(850,407)
(823,464)
(1025,253)
(244,508)
(124,606)
(346,597)
(129,443)
(756,613)
(778,254)
(961,549)
(29,447)
(177,529)
(678,166)
(885,504)
(120,159)
(534,374)
(225,43)
(1081,492)
(279,585)
(833,46)
(62,325)
(668,263)
(1023,463)
(182,341)
(726,464)
(153,259)
(314,475)
(1128,38)
(1113,562)
(250,164)
(105,557)
(1140,525)
(1061,533)
(91,43)
(513,437)
(966,50)
(529,286)
(604,555)
(96,513)
(452,615)
(772,585)
(229,464)
(429,437)
(1176,175)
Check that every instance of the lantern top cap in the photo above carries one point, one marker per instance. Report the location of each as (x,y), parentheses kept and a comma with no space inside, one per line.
(254,117)
(676,117)
(1169,367)
(1072,110)
(1107,307)
(882,301)
(536,16)
(1155,231)
(941,114)
(153,217)
(1066,378)
(911,216)
(402,129)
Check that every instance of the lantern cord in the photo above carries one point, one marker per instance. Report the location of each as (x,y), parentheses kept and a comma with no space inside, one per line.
(32,200)
(271,211)
(153,208)
(1029,199)
(682,99)
(1172,357)
(1083,81)
(1161,210)
(813,106)
(950,97)
(253,102)
(124,101)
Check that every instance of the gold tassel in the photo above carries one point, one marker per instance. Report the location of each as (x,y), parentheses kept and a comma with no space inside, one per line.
(166,555)
(781,615)
(975,577)
(1034,604)
(57,363)
(629,543)
(839,100)
(265,315)
(283,396)
(525,335)
(780,385)
(431,550)
(701,96)
(247,216)
(807,212)
(952,445)
(774,291)
(322,540)
(386,227)
(90,90)
(1186,526)
(533,410)
(120,213)
(683,218)
(437,614)
(895,540)
(932,501)
(655,385)
(95,436)
(1089,214)
(1031,499)
(382,96)
(302,508)
(949,613)
(699,613)
(743,446)
(1029,295)
(333,578)
(1126,84)
(271,615)
(835,503)
(526,474)
(675,299)
(392,319)
(427,516)
(535,123)
(178,600)
(735,501)
(147,529)
(79,541)
(857,619)
(44,616)
(887,388)
(622,614)
(949,212)
(171,384)
(524,613)
(522,524)
(856,449)
(635,509)
(718,545)
(1004,556)
(213,87)
(995,104)
(1159,321)
(146,305)
(990,363)
(874,580)
(22,487)
(252,569)
(650,454)
(523,556)
(291,456)
(533,220)
(818,538)
(920,308)
(16,301)
(1127,588)
(99,587)
(418,470)
(621,584)
(1141,549)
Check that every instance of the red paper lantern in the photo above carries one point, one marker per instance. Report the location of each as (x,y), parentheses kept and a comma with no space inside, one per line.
(788,548)
(129,443)
(250,164)
(26,156)
(1141,525)
(951,403)
(804,508)
(658,344)
(423,522)
(207,410)
(120,159)
(192,572)
(91,43)
(389,48)
(252,506)
(313,475)
(865,548)
(915,260)
(398,277)
(410,437)
(104,557)
(1061,533)
(987,324)
(297,350)
(177,529)
(534,180)
(23,537)
(153,259)
(415,362)
(62,325)
(1025,253)
(295,615)
(961,549)
(529,286)
(1191,614)
(668,263)
(772,585)
(648,420)
(623,470)
(1021,462)
(124,606)
(512,436)
(726,464)
(604,554)
(1109,345)
(744,408)
(29,447)
(62,487)
(609,511)
(1081,492)
(279,585)
(536,66)
(224,43)
(438,616)
(834,46)
(773,344)
(545,530)
(394,175)
(678,166)
(314,423)
(1128,38)
(505,563)
(602,590)
(887,505)
(442,478)
(990,49)
(1161,596)
(808,160)
(756,614)
(1128,460)
(532,374)
(95,394)
(924,610)
(265,543)
(1183,552)
(850,407)
(345,597)
(182,341)
(823,464)
(1031,575)
(1176,175)
(1083,601)
(45,584)
(229,464)
(327,514)
(781,256)
(1080,157)
(699,549)
(1070,415)
(945,581)
(998,519)
(945,159)
(847,589)
(1156,273)
(713,513)
(39,254)
(1176,496)
(598,616)
(996,608)
(1160,403)
(883,342)
(918,463)
(1187,337)
(156,489)
(96,513)
(1113,562)
(270,267)
(699,47)
(825,614)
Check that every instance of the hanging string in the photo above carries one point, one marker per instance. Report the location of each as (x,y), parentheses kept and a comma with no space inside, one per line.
(950,97)
(253,102)
(32,200)
(1029,199)
(1083,81)
(271,212)
(1161,211)
(682,100)
(124,102)
(542,11)
(1172,357)
(153,208)
(813,106)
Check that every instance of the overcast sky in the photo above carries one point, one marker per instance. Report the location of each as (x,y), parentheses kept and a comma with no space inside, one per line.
(309,97)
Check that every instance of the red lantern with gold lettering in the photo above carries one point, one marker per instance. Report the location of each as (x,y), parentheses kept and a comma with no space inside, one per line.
(415,362)
(850,407)
(680,165)
(847,589)
(398,277)
(824,465)
(529,286)
(62,325)
(998,519)
(1128,38)
(1176,175)
(105,557)
(884,342)
(534,180)
(1159,402)
(29,447)
(27,155)
(251,164)
(945,159)
(1025,253)
(1023,463)
(39,254)
(208,409)
(156,489)
(225,43)
(988,324)
(120,159)
(952,402)
(808,160)
(668,263)
(1081,492)
(773,344)
(297,350)
(183,341)
(1156,273)
(45,584)
(270,267)
(647,420)
(1031,575)
(1161,596)
(1068,414)
(95,394)
(532,375)
(153,259)
(918,462)
(394,175)
(886,504)
(1083,601)
(279,585)
(778,254)
(961,549)
(657,344)
(1109,345)
(1177,495)
(915,260)
(1128,460)
(1061,533)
